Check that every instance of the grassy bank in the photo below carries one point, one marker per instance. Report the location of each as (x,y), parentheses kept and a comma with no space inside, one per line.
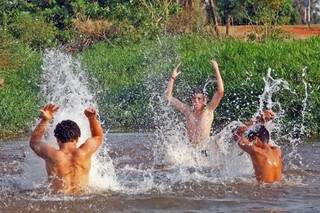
(128,76)
(128,79)
(20,71)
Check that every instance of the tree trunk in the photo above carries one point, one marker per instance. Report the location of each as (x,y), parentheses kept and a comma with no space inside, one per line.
(212,17)
(228,25)
(186,3)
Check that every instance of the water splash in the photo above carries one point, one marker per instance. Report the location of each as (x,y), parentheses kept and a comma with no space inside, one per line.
(172,151)
(271,87)
(304,102)
(174,160)
(299,131)
(64,83)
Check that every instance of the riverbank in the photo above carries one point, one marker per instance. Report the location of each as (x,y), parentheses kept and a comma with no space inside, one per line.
(128,79)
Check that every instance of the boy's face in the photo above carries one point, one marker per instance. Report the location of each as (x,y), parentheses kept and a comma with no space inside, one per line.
(199,101)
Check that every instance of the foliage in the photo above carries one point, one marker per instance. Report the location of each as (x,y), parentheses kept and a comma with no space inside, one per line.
(259,11)
(270,11)
(19,94)
(123,74)
(232,8)
(33,31)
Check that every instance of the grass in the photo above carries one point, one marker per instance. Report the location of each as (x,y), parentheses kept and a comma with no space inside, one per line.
(129,75)
(128,79)
(19,94)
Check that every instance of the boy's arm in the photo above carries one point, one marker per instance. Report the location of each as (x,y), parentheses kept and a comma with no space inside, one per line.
(42,149)
(242,141)
(214,103)
(176,103)
(92,144)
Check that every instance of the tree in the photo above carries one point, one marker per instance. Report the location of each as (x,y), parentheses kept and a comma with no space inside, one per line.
(270,12)
(231,8)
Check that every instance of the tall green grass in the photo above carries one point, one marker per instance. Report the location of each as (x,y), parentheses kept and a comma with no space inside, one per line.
(127,78)
(19,95)
(128,75)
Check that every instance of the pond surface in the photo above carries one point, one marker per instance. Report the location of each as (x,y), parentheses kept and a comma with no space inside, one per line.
(22,184)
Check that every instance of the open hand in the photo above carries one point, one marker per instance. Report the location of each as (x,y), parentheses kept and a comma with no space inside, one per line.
(239,133)
(266,115)
(175,72)
(214,64)
(90,112)
(48,111)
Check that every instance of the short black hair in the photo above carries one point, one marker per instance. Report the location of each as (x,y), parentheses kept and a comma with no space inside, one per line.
(198,91)
(67,131)
(261,132)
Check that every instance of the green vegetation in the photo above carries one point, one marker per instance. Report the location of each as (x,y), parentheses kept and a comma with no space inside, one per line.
(42,24)
(20,71)
(133,45)
(128,76)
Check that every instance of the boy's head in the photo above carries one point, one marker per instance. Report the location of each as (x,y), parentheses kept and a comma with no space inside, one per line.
(198,99)
(67,131)
(260,132)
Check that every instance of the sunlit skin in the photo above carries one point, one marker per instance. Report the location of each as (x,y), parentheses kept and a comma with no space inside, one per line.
(266,159)
(67,167)
(263,117)
(199,116)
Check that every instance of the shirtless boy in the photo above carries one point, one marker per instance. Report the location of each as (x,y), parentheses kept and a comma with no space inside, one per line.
(199,116)
(266,158)
(67,167)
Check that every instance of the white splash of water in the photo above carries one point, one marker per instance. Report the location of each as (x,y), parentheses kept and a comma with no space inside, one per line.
(173,152)
(304,102)
(64,83)
(271,86)
(296,139)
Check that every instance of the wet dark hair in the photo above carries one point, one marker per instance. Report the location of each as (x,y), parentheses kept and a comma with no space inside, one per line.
(67,131)
(198,91)
(261,132)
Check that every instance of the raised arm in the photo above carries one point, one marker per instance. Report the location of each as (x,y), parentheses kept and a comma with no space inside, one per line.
(176,103)
(263,117)
(42,149)
(214,103)
(92,144)
(242,141)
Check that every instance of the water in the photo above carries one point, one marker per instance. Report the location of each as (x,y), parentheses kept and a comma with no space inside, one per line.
(298,192)
(65,84)
(158,171)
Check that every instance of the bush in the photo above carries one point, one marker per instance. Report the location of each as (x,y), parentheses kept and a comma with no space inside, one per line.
(94,29)
(34,31)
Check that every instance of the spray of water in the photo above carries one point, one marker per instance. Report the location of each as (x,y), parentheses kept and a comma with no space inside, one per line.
(172,151)
(174,160)
(64,83)
(298,132)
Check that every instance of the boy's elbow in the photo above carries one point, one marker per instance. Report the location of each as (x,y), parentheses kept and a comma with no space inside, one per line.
(220,92)
(168,98)
(99,139)
(31,143)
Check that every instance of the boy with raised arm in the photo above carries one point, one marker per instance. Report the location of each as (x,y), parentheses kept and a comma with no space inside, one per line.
(199,116)
(67,167)
(266,158)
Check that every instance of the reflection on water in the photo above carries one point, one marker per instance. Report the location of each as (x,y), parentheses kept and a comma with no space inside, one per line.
(134,166)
